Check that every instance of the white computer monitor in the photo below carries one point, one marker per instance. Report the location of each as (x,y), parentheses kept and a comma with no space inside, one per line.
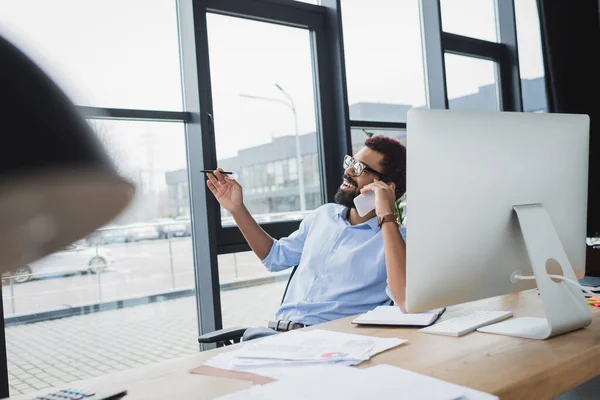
(479,186)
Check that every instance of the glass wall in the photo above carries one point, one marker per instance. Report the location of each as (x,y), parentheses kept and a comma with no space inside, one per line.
(471,83)
(384,58)
(102,53)
(250,295)
(262,74)
(472,18)
(124,295)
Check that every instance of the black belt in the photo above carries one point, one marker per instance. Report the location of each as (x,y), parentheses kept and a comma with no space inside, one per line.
(283,326)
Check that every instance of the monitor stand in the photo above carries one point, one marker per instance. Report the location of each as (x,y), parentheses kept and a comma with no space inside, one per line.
(565,305)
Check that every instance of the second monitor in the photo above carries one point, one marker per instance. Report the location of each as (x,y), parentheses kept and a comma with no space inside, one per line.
(496,199)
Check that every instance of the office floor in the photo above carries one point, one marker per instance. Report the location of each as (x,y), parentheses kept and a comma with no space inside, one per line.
(52,353)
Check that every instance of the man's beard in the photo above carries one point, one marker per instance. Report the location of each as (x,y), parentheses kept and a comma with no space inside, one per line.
(346,197)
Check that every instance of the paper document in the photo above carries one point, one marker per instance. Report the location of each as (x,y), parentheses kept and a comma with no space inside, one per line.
(270,368)
(286,354)
(383,382)
(392,315)
(315,346)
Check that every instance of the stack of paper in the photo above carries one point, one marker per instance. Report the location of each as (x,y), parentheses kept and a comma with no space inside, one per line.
(382,382)
(392,315)
(280,356)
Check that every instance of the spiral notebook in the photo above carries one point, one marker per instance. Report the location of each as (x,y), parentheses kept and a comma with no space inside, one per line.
(392,315)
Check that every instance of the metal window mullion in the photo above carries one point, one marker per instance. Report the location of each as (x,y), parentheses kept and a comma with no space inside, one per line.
(510,76)
(200,154)
(133,114)
(230,237)
(433,54)
(377,124)
(285,13)
(335,138)
(471,47)
(4,387)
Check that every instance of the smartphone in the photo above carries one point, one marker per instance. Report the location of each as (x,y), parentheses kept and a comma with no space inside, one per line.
(365,203)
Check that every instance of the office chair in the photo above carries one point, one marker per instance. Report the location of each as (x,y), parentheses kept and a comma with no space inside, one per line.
(229,336)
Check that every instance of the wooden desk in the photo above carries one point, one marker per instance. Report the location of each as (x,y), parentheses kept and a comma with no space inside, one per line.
(511,368)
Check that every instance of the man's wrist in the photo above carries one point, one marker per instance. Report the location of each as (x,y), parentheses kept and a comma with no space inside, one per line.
(389,217)
(239,211)
(381,213)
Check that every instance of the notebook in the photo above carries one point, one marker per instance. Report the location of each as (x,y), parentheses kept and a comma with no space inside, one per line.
(392,315)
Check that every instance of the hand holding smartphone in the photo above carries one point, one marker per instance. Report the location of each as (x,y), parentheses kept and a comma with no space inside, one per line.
(365,203)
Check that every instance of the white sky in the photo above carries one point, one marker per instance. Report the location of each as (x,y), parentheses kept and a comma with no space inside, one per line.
(124,53)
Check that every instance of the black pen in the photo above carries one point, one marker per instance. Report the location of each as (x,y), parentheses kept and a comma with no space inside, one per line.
(212,171)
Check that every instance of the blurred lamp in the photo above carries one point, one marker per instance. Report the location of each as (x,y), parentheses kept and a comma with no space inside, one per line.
(57,183)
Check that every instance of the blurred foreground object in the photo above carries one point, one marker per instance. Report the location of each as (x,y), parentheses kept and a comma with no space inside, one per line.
(57,184)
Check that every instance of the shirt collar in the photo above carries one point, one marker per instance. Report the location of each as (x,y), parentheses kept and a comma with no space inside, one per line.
(373,224)
(342,212)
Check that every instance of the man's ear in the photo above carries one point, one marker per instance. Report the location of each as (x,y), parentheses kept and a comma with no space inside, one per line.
(392,185)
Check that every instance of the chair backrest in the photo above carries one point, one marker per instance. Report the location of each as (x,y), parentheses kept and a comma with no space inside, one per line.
(288,283)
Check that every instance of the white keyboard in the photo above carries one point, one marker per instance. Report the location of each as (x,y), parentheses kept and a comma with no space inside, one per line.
(462,325)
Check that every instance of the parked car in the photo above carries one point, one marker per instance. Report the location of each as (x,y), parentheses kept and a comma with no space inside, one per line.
(72,259)
(187,222)
(141,231)
(169,227)
(108,235)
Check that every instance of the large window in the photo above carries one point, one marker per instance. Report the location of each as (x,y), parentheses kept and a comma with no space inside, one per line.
(124,295)
(265,124)
(471,83)
(103,53)
(384,67)
(472,18)
(264,113)
(250,295)
(143,256)
(384,61)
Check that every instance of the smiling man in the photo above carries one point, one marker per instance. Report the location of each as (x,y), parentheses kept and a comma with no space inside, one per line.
(347,264)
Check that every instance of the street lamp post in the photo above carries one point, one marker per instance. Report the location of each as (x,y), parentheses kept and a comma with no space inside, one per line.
(291,105)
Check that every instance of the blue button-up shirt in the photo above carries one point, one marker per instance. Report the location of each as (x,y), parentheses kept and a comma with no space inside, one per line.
(341,267)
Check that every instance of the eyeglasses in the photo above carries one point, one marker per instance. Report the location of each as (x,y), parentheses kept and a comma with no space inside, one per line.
(360,167)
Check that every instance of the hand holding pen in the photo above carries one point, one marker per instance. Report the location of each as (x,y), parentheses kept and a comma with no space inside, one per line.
(226,190)
(210,171)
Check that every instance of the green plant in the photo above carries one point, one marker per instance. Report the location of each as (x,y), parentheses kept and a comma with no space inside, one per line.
(400,209)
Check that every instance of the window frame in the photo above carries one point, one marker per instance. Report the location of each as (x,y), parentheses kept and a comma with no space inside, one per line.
(332,135)
(436,43)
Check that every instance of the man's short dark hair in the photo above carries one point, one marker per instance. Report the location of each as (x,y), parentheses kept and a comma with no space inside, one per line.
(393,163)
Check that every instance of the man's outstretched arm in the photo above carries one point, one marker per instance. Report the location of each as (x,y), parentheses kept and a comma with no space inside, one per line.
(228,193)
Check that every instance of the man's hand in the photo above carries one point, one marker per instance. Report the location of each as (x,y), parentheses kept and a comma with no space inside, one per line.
(226,190)
(385,196)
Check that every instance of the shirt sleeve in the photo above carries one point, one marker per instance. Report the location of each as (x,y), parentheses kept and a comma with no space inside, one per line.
(286,252)
(387,287)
